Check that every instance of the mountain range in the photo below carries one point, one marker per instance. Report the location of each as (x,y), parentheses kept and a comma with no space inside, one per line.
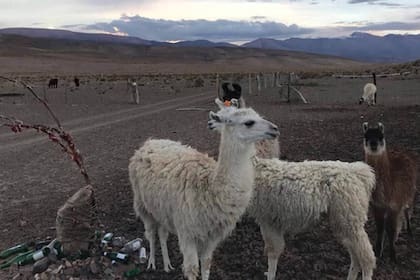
(358,46)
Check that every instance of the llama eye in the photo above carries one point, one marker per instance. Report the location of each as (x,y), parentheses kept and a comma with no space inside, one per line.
(249,123)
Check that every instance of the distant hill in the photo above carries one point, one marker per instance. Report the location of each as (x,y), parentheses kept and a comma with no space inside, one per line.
(359,46)
(203,43)
(51,55)
(78,36)
(108,38)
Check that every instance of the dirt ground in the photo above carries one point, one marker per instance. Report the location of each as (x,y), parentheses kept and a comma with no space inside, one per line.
(36,178)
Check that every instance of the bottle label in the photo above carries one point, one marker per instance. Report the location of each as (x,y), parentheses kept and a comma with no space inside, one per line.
(38,255)
(121,256)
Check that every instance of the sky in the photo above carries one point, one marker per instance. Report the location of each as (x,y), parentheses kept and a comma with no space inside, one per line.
(233,21)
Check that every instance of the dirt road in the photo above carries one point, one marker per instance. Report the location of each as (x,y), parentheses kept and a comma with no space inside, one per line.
(85,124)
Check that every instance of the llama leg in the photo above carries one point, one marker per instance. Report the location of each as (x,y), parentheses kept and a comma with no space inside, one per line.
(391,230)
(150,226)
(407,221)
(206,257)
(354,266)
(380,230)
(150,234)
(273,247)
(189,252)
(361,253)
(163,238)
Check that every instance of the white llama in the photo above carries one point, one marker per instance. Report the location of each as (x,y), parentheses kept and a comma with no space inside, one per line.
(291,197)
(180,190)
(369,94)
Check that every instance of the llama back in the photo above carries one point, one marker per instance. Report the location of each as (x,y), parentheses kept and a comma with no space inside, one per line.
(309,189)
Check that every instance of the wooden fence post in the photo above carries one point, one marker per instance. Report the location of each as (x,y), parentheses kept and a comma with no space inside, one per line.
(374,82)
(136,95)
(249,83)
(217,85)
(258,77)
(288,87)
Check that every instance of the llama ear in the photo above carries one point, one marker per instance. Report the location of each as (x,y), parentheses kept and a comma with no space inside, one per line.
(365,126)
(381,127)
(213,116)
(219,103)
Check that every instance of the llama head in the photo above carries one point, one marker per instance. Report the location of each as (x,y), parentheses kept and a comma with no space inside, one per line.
(243,124)
(374,139)
(232,91)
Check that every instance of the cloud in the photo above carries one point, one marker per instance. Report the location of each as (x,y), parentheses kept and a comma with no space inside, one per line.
(255,18)
(217,30)
(394,25)
(362,1)
(112,2)
(376,2)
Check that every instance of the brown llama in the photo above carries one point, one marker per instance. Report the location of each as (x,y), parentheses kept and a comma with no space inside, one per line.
(393,197)
(53,83)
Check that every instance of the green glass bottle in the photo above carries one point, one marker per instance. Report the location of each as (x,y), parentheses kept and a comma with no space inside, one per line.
(133,272)
(15,259)
(37,255)
(24,247)
(120,257)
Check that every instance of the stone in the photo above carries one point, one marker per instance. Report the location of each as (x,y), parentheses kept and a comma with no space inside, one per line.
(94,267)
(40,265)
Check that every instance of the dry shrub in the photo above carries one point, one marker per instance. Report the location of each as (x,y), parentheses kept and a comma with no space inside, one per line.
(75,220)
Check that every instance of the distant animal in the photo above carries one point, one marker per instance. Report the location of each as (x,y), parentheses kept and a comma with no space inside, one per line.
(266,148)
(396,178)
(76,82)
(369,94)
(231,90)
(53,83)
(180,190)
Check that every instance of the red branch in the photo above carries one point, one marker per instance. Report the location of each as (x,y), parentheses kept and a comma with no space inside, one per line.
(57,135)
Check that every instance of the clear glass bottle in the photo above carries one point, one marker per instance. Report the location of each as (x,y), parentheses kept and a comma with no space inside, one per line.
(132,246)
(142,255)
(120,257)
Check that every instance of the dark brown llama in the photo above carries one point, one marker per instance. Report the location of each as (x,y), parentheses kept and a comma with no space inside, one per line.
(393,198)
(53,83)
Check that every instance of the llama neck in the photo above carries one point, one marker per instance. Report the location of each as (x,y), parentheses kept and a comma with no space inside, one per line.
(379,162)
(381,165)
(234,163)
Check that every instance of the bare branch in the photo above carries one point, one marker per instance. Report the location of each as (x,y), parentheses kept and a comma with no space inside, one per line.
(57,135)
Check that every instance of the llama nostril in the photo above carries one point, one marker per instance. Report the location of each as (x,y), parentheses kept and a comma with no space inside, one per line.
(275,128)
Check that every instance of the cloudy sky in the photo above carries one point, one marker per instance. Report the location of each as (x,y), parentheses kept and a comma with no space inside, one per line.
(231,20)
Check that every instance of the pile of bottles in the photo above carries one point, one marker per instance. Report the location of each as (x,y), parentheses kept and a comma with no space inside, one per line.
(115,248)
(125,251)
(27,253)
